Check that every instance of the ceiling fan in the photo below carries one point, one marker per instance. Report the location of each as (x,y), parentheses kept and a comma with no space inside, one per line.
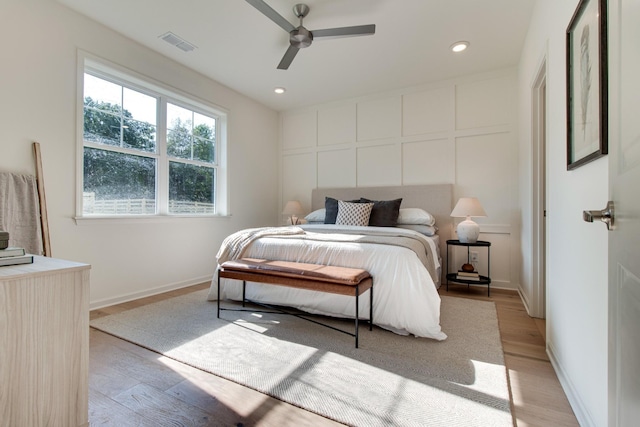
(300,37)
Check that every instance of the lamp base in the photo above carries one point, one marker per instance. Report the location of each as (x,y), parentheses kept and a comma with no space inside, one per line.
(468,231)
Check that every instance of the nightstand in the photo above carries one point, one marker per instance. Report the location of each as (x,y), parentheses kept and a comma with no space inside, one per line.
(482,280)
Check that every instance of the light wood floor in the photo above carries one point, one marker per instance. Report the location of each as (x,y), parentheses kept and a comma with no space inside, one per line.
(132,386)
(536,396)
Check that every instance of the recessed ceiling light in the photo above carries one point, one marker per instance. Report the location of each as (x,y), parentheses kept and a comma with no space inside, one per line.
(279,90)
(459,46)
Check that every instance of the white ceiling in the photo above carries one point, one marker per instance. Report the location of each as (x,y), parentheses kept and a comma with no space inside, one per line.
(240,47)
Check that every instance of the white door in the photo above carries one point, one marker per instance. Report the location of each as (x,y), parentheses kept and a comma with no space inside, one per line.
(624,190)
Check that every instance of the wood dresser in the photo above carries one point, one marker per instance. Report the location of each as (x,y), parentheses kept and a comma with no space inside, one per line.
(44,343)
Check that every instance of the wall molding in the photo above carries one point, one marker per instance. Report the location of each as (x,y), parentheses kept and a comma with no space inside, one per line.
(461,131)
(495,229)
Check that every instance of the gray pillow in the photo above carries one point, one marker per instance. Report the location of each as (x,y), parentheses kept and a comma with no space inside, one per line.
(384,213)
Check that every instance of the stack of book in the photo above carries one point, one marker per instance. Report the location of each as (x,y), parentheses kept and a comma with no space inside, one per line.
(14,256)
(468,275)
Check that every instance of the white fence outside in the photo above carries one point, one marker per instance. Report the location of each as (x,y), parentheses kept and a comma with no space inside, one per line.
(140,206)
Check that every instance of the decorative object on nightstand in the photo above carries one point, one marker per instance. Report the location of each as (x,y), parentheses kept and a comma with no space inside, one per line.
(467,274)
(293,209)
(467,207)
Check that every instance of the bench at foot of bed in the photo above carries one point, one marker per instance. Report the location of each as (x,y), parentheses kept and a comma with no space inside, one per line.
(322,278)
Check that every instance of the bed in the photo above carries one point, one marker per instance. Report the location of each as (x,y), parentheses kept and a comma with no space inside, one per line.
(405,263)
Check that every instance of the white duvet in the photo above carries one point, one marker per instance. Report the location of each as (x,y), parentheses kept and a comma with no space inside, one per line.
(405,298)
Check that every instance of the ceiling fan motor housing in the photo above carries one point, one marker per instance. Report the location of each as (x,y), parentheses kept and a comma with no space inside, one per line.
(300,37)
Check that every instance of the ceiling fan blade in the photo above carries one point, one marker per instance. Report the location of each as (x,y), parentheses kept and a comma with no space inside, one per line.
(358,30)
(288,58)
(272,14)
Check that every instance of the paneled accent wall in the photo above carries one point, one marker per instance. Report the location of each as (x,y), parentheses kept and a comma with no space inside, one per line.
(460,131)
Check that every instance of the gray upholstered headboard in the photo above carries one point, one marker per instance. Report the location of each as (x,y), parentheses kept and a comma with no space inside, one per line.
(436,199)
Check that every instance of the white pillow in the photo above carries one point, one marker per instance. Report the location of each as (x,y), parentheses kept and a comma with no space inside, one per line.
(427,230)
(415,216)
(353,213)
(317,215)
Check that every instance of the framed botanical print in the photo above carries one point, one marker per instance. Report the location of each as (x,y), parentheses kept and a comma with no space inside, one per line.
(587,83)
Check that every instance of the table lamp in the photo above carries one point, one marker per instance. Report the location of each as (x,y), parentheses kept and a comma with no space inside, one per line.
(467,207)
(293,208)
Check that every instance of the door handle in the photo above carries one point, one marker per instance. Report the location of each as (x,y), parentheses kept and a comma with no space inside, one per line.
(605,215)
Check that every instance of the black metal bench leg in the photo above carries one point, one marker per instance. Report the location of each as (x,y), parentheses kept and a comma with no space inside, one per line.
(357,315)
(357,306)
(244,292)
(371,307)
(218,294)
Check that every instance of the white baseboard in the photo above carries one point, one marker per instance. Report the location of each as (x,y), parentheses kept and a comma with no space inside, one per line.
(579,409)
(500,284)
(525,300)
(93,305)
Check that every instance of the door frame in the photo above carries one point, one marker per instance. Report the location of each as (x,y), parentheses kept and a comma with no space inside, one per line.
(537,307)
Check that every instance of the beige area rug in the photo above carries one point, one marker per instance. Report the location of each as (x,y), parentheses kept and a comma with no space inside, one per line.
(391,380)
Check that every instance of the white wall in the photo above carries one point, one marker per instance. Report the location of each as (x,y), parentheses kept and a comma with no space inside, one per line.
(38,87)
(460,131)
(576,251)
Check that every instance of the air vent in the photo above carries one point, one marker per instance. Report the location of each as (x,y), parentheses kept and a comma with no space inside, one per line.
(178,42)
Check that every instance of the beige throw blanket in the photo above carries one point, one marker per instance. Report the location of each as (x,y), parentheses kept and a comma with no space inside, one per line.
(20,211)
(375,235)
(234,245)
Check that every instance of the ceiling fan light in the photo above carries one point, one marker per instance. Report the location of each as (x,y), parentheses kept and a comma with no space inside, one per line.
(279,90)
(459,46)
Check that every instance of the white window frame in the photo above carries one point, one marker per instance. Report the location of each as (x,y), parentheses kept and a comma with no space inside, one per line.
(120,75)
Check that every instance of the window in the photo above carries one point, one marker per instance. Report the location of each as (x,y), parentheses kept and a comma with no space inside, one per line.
(147,150)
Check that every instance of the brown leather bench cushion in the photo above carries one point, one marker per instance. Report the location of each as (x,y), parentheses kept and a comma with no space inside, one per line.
(322,273)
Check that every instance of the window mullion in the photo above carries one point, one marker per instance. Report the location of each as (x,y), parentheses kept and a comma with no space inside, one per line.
(193,138)
(121,117)
(162,178)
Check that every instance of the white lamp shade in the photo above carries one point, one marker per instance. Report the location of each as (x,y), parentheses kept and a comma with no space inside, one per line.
(468,207)
(293,207)
(468,231)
